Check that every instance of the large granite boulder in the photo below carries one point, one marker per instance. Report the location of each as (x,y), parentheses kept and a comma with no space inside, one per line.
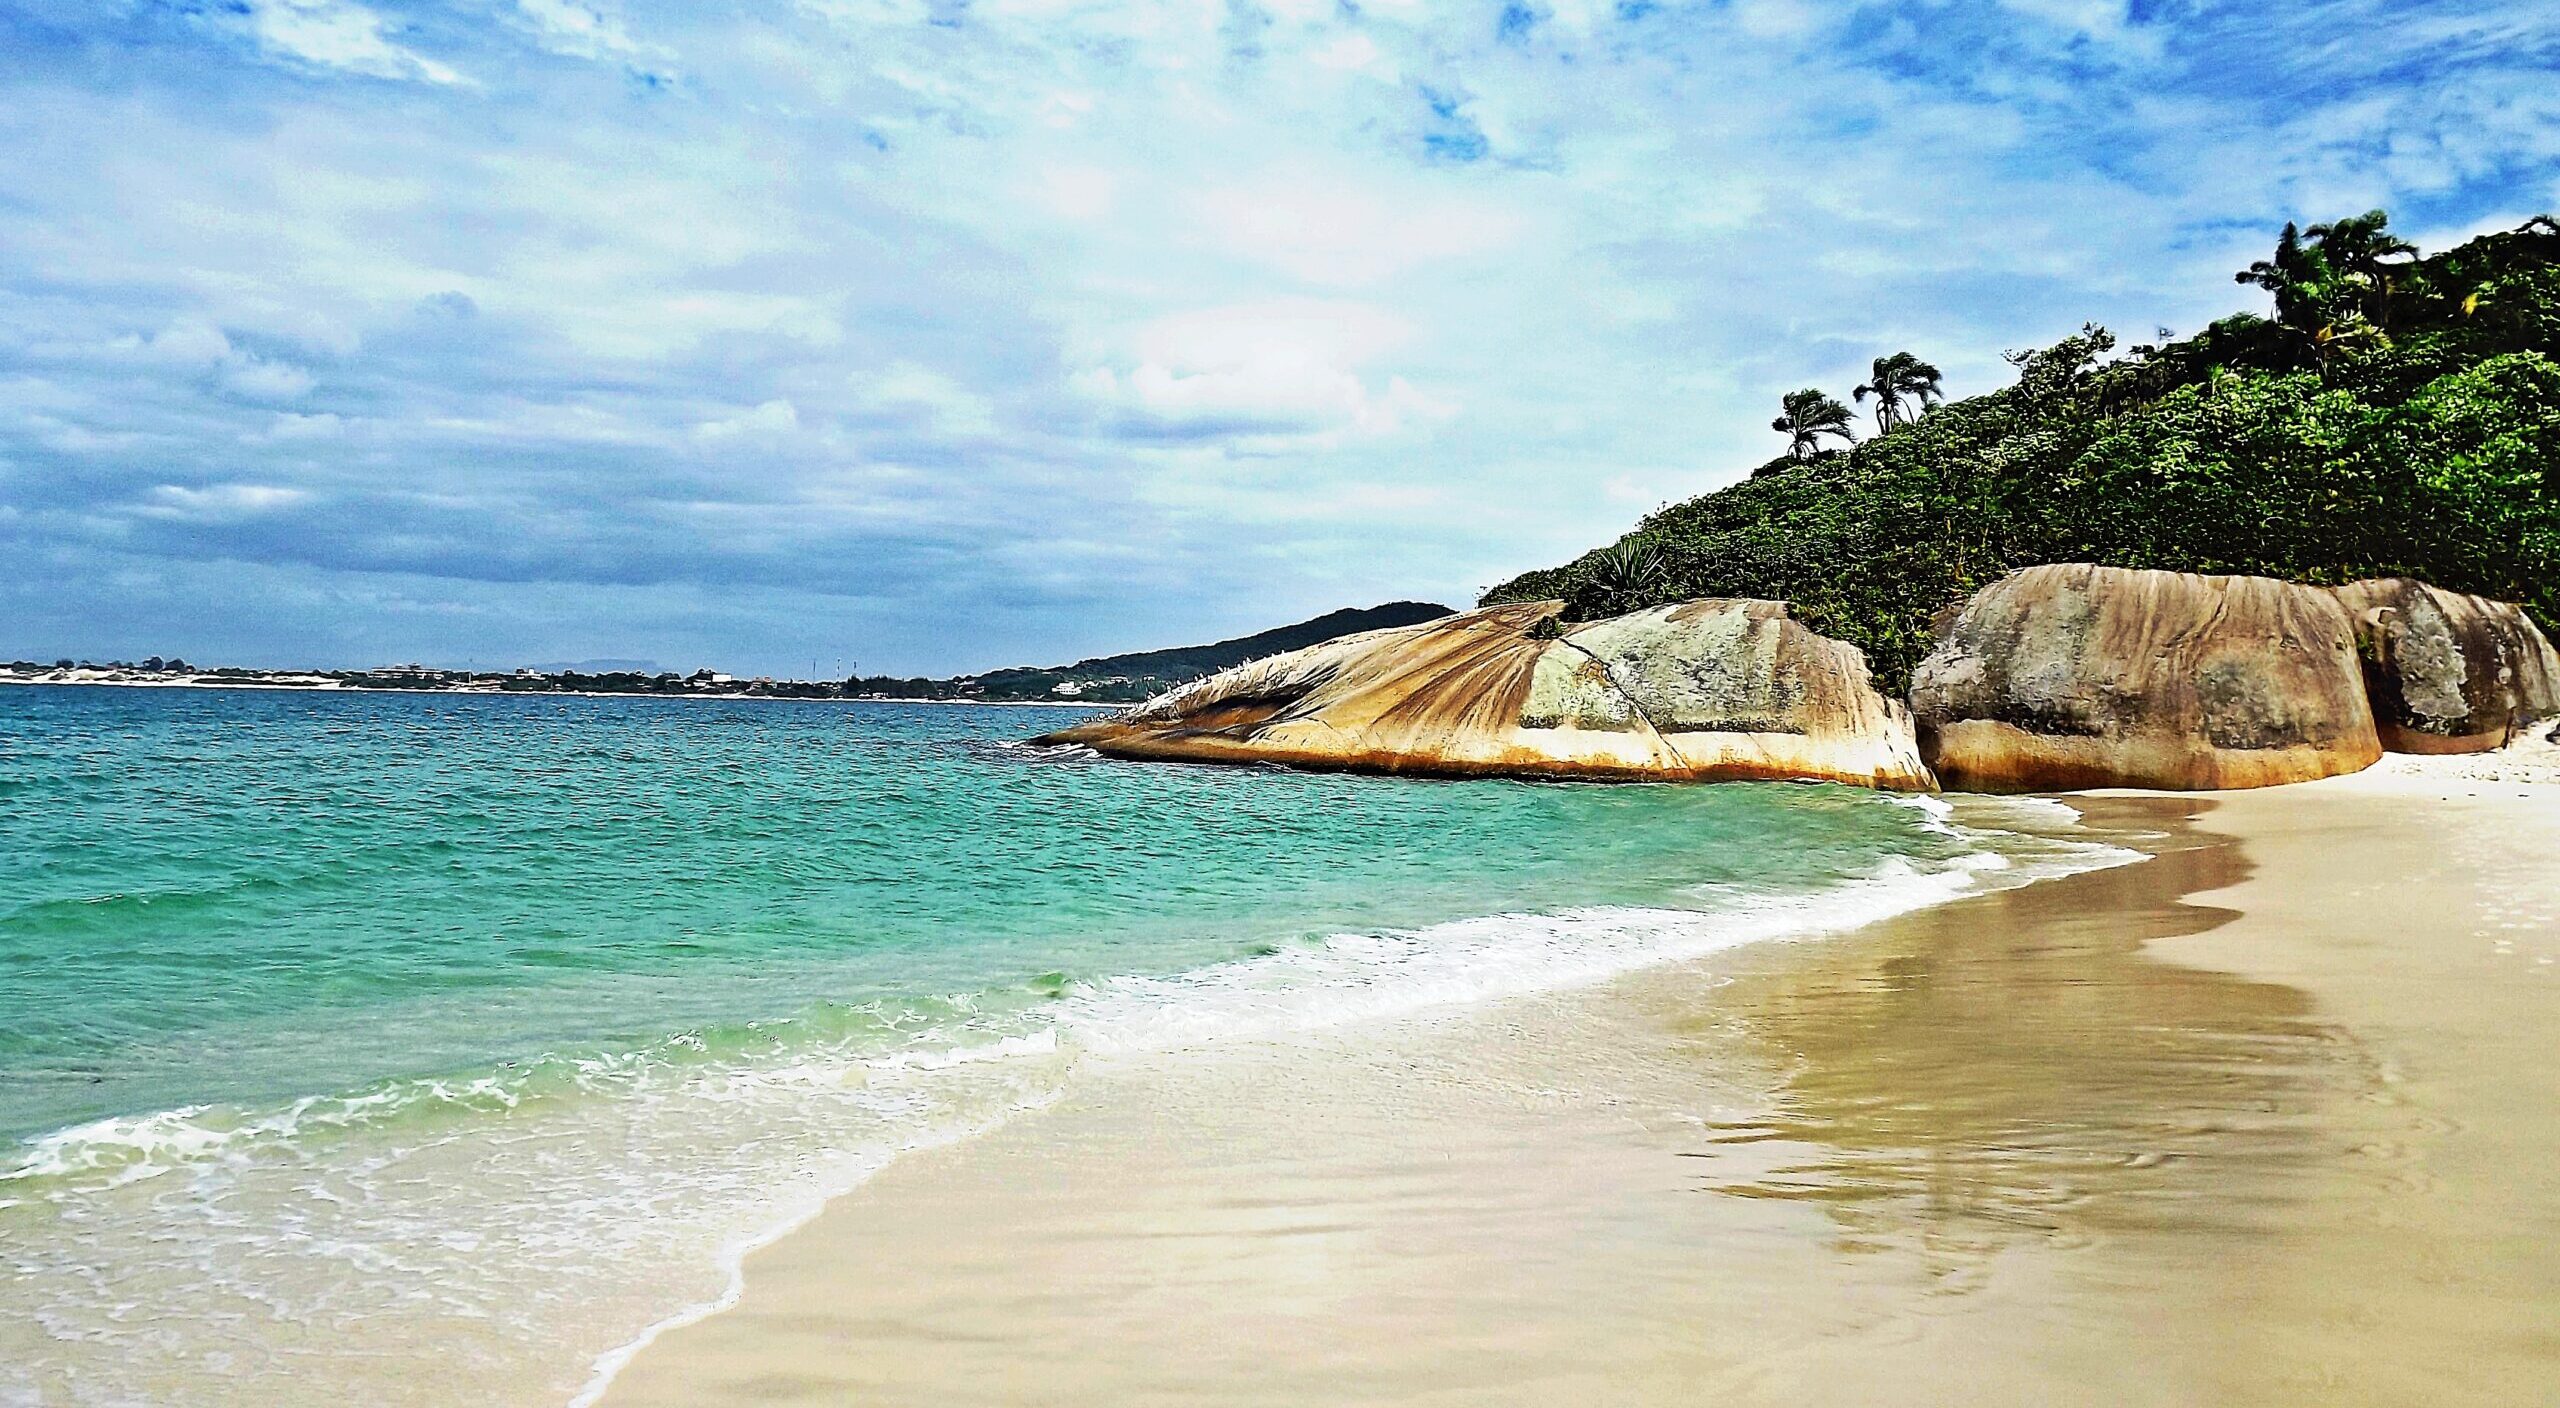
(2070,675)
(1700,691)
(2449,673)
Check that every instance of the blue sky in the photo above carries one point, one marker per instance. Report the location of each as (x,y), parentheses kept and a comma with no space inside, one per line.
(946,334)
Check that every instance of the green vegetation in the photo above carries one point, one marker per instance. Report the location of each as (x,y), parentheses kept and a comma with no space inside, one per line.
(2398,415)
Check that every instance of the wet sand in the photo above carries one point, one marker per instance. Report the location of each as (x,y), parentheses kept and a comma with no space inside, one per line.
(2260,1121)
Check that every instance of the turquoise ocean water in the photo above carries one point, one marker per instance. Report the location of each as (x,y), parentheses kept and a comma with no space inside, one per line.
(333,1026)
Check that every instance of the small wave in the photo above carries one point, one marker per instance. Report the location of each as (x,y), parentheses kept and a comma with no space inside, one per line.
(1048,752)
(123,1148)
(112,1152)
(1358,977)
(1938,812)
(2041,811)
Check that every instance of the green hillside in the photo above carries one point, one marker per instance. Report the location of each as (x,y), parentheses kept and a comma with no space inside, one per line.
(2396,415)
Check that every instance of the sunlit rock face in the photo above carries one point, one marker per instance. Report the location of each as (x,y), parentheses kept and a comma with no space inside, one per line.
(1697,691)
(2069,675)
(2449,673)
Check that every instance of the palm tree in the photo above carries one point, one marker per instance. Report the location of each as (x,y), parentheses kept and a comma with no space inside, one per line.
(1921,382)
(2334,290)
(2360,252)
(1892,379)
(2298,277)
(1806,417)
(1880,385)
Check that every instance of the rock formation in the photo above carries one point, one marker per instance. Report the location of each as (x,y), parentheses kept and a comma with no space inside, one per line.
(2449,673)
(1698,691)
(2070,675)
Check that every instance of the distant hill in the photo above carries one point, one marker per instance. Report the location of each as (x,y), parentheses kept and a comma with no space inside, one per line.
(1144,674)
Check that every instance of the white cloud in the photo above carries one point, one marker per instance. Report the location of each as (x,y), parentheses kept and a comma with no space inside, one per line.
(290,426)
(71,438)
(768,421)
(1354,53)
(515,424)
(188,342)
(2105,22)
(1278,367)
(216,502)
(338,34)
(1081,193)
(582,30)
(195,346)
(245,375)
(1320,226)
(1305,329)
(950,407)
(1776,19)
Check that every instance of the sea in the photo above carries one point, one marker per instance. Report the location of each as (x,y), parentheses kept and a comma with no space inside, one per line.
(388,1048)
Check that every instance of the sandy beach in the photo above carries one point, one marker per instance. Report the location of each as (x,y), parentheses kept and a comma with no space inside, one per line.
(2265,1119)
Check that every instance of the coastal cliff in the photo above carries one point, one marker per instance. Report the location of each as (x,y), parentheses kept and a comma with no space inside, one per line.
(1693,691)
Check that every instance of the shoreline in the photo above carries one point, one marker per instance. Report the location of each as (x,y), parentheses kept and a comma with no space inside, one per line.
(1009,1246)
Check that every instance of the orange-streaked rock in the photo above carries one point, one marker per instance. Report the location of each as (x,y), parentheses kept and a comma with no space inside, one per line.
(1698,691)
(2449,673)
(2070,675)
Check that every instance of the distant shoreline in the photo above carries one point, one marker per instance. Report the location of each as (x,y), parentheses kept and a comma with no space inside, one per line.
(555,693)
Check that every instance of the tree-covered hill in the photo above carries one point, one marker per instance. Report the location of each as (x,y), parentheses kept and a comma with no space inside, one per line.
(2398,415)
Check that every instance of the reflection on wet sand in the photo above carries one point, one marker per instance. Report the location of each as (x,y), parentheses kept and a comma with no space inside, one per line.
(2018,1068)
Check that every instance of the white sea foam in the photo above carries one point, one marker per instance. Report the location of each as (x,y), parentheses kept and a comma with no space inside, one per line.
(1939,811)
(123,1148)
(1367,976)
(1363,977)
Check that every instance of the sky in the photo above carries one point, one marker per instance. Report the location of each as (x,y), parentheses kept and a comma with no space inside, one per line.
(922,336)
